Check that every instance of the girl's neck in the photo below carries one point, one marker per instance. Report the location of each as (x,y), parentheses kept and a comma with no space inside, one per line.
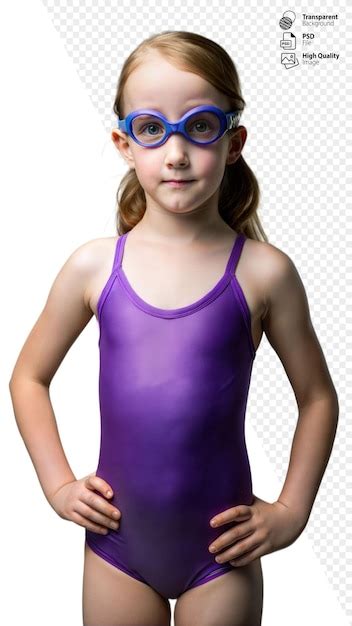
(174,235)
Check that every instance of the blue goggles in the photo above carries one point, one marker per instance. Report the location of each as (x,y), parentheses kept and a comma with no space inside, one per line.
(201,125)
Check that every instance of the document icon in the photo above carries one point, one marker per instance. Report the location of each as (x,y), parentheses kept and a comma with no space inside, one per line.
(288,42)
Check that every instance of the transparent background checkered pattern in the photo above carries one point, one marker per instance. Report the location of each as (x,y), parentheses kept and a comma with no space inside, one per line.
(297,129)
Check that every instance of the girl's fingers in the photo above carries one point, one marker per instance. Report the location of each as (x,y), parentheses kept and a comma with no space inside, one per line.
(240,551)
(93,515)
(95,501)
(244,559)
(95,482)
(235,514)
(232,536)
(94,507)
(99,515)
(87,523)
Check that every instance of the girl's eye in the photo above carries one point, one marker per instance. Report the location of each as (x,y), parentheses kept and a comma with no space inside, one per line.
(205,127)
(199,124)
(155,126)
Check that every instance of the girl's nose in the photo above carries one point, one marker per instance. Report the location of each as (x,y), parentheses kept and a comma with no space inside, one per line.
(176,148)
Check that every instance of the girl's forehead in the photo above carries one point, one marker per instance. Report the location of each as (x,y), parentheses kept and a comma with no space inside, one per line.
(168,91)
(172,102)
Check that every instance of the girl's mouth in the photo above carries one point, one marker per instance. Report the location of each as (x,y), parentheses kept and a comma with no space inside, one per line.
(178,183)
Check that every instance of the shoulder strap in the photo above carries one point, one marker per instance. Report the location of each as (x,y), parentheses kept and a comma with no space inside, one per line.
(119,251)
(236,253)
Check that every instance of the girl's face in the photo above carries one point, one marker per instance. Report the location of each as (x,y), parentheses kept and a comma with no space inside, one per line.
(157,84)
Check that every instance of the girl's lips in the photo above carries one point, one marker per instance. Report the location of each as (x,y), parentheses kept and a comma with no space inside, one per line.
(178,183)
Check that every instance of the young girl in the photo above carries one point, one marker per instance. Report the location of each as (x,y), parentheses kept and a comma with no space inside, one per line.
(182,296)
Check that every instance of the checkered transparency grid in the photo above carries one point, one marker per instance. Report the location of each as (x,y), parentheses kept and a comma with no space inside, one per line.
(296,145)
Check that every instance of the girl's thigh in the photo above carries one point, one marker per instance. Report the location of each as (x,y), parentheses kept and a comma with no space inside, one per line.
(112,598)
(232,599)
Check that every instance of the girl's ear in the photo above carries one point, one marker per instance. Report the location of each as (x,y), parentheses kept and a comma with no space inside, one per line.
(236,143)
(121,142)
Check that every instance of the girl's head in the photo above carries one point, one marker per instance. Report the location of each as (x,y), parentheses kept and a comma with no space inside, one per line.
(173,72)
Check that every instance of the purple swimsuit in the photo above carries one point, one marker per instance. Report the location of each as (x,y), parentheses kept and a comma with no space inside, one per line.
(173,389)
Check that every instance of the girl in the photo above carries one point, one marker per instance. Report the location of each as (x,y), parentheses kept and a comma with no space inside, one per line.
(182,296)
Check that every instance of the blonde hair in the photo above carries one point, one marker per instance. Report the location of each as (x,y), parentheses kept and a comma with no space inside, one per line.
(239,189)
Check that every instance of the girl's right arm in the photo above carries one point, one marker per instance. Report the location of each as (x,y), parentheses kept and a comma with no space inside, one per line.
(65,315)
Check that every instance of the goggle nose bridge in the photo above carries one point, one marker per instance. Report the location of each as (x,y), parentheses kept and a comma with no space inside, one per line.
(174,127)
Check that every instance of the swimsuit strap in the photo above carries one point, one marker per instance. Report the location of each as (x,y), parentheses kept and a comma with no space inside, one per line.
(236,253)
(119,251)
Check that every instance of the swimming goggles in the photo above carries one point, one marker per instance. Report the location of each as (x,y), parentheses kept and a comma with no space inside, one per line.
(201,125)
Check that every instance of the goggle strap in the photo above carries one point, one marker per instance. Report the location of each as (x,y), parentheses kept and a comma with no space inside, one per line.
(233,120)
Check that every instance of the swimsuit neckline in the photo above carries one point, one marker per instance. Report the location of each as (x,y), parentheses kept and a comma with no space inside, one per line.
(208,297)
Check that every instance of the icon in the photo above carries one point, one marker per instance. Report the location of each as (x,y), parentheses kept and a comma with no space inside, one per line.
(289,59)
(287,20)
(288,42)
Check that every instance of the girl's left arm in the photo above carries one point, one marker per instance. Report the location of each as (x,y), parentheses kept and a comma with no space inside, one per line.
(288,327)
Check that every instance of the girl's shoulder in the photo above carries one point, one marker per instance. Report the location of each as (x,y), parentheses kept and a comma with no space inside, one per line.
(273,269)
(265,268)
(98,254)
(98,250)
(266,259)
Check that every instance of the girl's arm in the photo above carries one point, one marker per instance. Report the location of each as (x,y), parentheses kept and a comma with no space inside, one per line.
(65,315)
(289,329)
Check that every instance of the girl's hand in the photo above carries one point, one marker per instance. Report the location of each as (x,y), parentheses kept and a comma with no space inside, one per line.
(77,502)
(258,529)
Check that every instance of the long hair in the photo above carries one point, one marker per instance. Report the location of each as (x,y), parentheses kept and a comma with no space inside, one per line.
(239,189)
